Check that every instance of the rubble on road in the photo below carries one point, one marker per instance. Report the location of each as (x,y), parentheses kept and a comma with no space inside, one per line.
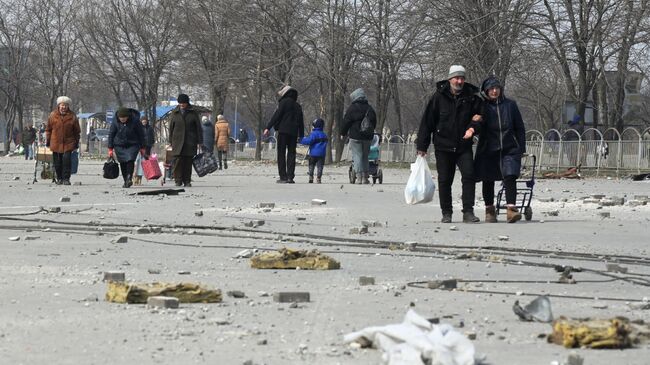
(134,293)
(592,333)
(287,258)
(571,173)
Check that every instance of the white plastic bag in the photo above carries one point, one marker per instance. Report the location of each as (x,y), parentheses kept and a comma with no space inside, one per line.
(420,187)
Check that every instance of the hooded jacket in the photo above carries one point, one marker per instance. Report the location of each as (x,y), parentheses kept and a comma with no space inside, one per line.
(288,117)
(62,133)
(126,138)
(503,128)
(222,134)
(447,117)
(317,140)
(185,132)
(355,114)
(208,135)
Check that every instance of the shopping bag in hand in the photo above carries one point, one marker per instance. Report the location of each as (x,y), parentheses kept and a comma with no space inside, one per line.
(205,163)
(111,169)
(151,168)
(420,186)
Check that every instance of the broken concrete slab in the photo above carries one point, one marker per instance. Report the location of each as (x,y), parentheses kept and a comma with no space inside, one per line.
(286,258)
(591,201)
(246,254)
(366,223)
(254,223)
(359,230)
(236,294)
(442,284)
(503,238)
(163,302)
(198,213)
(118,276)
(616,268)
(15,238)
(266,205)
(637,203)
(135,293)
(604,214)
(291,297)
(31,238)
(366,280)
(121,239)
(143,230)
(318,202)
(64,199)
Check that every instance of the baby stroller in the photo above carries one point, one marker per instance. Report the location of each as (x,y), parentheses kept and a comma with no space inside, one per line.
(524,191)
(374,171)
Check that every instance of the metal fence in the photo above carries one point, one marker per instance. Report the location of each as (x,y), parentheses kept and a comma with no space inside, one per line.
(555,150)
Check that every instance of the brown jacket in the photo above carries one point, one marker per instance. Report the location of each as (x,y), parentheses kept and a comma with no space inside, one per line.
(62,132)
(222,135)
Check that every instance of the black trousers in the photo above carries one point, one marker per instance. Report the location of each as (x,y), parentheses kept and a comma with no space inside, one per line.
(62,165)
(316,162)
(509,182)
(127,170)
(222,155)
(182,169)
(446,163)
(286,156)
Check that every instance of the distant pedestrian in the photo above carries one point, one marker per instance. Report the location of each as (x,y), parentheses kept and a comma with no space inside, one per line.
(288,122)
(208,134)
(62,136)
(125,140)
(28,139)
(451,118)
(500,147)
(242,139)
(186,137)
(149,135)
(222,140)
(317,142)
(359,140)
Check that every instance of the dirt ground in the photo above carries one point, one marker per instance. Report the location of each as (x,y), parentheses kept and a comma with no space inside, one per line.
(52,294)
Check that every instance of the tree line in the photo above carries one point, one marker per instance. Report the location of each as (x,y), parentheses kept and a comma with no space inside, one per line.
(139,52)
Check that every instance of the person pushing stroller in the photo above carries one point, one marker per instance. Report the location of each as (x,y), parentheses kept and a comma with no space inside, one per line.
(317,142)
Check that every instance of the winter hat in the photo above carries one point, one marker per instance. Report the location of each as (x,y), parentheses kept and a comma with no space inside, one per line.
(284,90)
(456,70)
(64,100)
(220,117)
(183,98)
(318,123)
(358,94)
(123,112)
(204,119)
(489,83)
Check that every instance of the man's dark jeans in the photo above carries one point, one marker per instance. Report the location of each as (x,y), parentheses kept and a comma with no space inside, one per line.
(446,163)
(286,156)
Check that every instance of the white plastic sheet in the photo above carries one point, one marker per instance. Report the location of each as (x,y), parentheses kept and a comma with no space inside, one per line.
(420,186)
(415,339)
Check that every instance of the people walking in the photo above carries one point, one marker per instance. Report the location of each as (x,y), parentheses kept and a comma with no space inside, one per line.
(62,136)
(500,147)
(208,134)
(317,142)
(222,140)
(125,139)
(186,137)
(29,137)
(242,139)
(451,118)
(149,135)
(360,140)
(288,122)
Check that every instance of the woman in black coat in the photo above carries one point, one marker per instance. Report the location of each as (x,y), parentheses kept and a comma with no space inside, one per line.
(501,144)
(125,140)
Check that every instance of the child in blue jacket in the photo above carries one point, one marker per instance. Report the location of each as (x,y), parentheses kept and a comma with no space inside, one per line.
(317,142)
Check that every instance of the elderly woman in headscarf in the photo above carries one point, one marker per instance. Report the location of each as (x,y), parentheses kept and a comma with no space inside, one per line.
(125,140)
(222,140)
(501,144)
(62,136)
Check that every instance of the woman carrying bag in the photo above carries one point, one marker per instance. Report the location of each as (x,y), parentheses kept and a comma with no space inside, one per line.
(125,140)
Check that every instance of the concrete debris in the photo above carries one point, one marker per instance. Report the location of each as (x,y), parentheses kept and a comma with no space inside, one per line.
(31,238)
(574,359)
(616,268)
(15,178)
(143,230)
(504,238)
(266,205)
(255,223)
(64,199)
(318,202)
(552,213)
(246,254)
(641,198)
(76,183)
(639,305)
(236,294)
(301,218)
(134,293)
(184,272)
(159,192)
(15,238)
(121,239)
(613,201)
(153,271)
(546,200)
(54,209)
(371,224)
(198,213)
(443,284)
(114,276)
(366,280)
(286,258)
(291,297)
(453,228)
(471,335)
(637,203)
(598,196)
(410,245)
(604,214)
(163,302)
(359,230)
(591,201)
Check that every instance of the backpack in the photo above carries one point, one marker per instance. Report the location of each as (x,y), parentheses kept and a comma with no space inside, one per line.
(366,127)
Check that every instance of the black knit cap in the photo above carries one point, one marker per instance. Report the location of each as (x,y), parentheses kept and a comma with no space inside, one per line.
(183,98)
(123,112)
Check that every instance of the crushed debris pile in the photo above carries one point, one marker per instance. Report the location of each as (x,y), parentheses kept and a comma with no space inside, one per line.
(592,333)
(132,293)
(287,258)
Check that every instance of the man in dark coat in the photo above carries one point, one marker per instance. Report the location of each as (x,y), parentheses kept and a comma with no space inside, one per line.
(149,137)
(452,117)
(288,122)
(186,137)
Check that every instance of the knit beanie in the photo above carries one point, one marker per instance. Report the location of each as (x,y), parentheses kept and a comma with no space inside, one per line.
(358,94)
(318,123)
(456,70)
(123,112)
(183,99)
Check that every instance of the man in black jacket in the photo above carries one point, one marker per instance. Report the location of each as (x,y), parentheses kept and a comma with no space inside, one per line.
(186,137)
(452,116)
(288,122)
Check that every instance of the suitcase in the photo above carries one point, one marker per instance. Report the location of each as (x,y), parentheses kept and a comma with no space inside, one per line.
(205,163)
(151,168)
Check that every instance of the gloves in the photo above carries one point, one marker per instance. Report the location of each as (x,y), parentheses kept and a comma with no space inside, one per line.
(110,152)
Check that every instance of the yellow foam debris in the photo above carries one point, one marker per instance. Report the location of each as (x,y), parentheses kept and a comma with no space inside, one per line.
(120,292)
(287,258)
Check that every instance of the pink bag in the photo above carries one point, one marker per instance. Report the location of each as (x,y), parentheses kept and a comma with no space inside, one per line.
(151,168)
